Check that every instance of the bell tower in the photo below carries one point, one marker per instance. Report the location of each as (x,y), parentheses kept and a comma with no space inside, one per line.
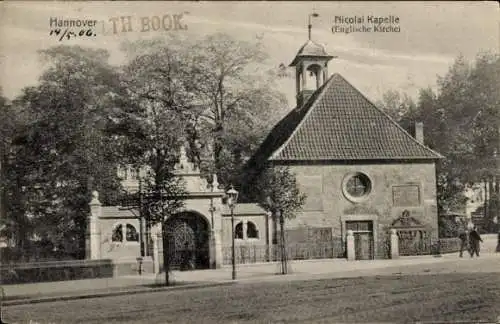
(311,67)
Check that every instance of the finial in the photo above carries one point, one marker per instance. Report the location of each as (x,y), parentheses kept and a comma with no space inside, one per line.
(215,183)
(310,24)
(95,198)
(183,156)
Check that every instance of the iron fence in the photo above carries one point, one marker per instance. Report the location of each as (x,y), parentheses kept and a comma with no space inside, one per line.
(383,250)
(431,246)
(449,245)
(245,254)
(415,242)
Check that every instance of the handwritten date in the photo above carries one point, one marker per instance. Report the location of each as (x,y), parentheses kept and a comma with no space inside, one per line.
(68,33)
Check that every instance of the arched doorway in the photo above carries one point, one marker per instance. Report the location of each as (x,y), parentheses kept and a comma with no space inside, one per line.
(188,241)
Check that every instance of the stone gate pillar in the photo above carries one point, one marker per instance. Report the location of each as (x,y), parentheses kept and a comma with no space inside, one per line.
(216,239)
(351,256)
(216,258)
(156,233)
(156,253)
(394,244)
(94,230)
(215,249)
(269,242)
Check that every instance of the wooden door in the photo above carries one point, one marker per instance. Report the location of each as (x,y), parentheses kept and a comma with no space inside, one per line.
(363,239)
(363,246)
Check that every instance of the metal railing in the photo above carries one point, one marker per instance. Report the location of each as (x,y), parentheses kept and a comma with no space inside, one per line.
(245,254)
(449,245)
(383,247)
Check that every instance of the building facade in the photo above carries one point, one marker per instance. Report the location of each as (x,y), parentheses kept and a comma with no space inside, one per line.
(359,169)
(198,236)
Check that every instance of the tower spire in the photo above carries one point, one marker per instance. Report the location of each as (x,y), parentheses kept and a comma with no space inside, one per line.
(311,62)
(309,26)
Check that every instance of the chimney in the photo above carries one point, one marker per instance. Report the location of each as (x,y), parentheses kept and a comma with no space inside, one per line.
(419,132)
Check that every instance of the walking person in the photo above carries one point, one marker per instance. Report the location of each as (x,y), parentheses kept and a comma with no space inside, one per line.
(462,235)
(474,239)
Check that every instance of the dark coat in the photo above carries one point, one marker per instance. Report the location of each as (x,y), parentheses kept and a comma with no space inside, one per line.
(474,236)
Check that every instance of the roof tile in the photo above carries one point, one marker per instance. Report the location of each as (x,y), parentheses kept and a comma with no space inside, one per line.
(339,123)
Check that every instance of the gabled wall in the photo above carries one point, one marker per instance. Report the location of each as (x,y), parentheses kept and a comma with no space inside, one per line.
(328,206)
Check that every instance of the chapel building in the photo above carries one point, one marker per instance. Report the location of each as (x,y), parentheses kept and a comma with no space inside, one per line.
(360,170)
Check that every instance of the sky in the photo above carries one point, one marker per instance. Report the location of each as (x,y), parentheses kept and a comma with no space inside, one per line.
(431,36)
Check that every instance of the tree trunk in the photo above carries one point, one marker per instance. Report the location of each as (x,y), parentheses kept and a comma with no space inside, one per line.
(218,151)
(166,259)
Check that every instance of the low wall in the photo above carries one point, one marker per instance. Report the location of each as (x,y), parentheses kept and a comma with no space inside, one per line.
(71,270)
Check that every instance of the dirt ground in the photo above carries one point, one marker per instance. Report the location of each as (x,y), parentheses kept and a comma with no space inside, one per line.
(450,297)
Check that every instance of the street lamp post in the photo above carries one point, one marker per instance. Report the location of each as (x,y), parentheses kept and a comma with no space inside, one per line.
(141,225)
(232,199)
(284,269)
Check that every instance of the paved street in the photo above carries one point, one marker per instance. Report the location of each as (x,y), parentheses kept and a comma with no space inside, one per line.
(452,290)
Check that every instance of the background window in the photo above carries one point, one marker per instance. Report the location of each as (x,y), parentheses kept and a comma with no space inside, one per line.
(238,231)
(132,235)
(361,226)
(117,234)
(252,231)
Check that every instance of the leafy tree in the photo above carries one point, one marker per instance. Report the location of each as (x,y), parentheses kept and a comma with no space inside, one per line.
(276,190)
(461,122)
(226,104)
(153,125)
(484,129)
(240,105)
(64,151)
(14,224)
(399,106)
(463,135)
(279,194)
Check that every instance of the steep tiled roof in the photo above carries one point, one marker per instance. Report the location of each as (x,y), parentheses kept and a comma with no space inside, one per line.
(339,123)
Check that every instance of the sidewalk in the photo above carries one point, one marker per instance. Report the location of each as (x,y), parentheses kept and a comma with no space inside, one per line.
(317,269)
(298,270)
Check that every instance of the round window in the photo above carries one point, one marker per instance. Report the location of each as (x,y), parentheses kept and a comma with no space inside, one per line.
(357,186)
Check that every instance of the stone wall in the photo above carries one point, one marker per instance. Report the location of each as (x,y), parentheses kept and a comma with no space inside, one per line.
(328,206)
(258,220)
(118,250)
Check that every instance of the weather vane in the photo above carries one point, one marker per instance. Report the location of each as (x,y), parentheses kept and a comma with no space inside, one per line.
(310,24)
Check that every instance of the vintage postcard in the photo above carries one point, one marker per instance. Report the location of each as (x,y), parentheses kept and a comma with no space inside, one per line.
(249,162)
